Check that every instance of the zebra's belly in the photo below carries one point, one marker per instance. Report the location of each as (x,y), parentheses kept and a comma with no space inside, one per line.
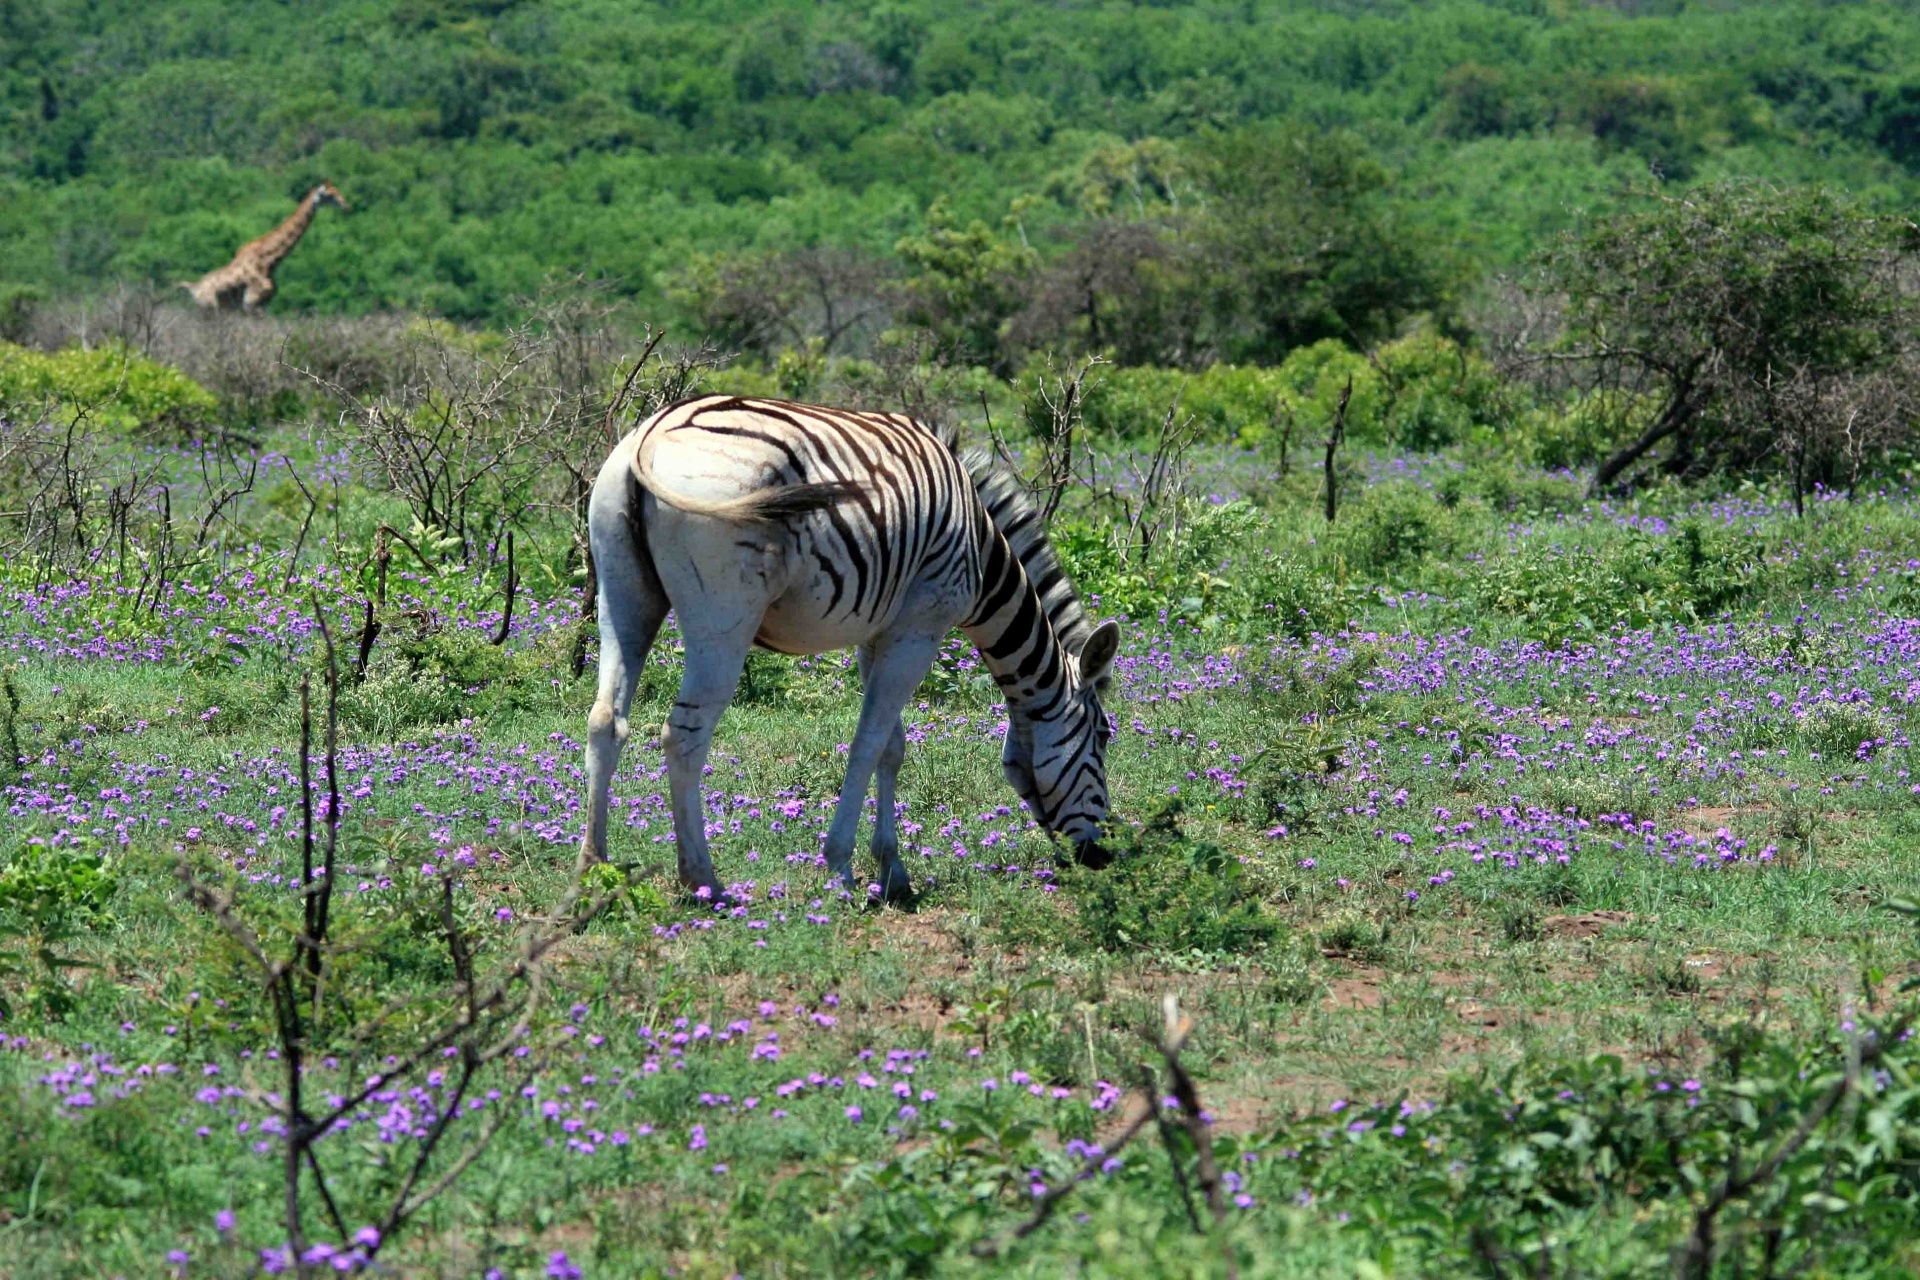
(801,626)
(819,613)
(783,635)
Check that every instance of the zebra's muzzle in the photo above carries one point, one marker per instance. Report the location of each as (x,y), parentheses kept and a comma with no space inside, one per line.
(1092,854)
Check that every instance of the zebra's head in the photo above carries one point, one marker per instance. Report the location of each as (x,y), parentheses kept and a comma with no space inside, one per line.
(1058,761)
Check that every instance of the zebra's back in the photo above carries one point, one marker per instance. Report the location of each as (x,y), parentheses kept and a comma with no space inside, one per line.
(848,518)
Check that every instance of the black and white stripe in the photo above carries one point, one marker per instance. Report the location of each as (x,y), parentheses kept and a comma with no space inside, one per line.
(805,528)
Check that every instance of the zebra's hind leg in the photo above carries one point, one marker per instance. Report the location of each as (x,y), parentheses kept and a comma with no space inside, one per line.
(893,667)
(714,662)
(631,606)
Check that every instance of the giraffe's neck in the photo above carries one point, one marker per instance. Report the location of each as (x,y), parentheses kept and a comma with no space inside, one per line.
(279,242)
(1010,628)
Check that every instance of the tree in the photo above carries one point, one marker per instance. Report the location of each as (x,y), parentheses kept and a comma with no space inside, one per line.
(1300,243)
(968,284)
(762,302)
(1765,325)
(1129,289)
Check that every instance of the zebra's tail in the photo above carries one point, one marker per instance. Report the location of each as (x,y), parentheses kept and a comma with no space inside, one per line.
(774,503)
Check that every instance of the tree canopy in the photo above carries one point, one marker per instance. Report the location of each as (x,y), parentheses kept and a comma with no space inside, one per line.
(487,144)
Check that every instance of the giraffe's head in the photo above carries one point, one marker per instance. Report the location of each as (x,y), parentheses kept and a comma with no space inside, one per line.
(327,193)
(1057,758)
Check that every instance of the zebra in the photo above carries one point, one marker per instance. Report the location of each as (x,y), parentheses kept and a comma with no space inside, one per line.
(804,529)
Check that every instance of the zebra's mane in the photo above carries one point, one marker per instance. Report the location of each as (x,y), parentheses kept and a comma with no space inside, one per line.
(1018,519)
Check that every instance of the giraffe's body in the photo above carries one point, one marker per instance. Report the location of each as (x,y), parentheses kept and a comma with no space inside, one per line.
(247,281)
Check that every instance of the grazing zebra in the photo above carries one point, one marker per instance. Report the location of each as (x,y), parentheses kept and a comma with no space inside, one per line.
(804,529)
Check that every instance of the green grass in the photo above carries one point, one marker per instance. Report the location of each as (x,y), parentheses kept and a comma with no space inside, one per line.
(1330,946)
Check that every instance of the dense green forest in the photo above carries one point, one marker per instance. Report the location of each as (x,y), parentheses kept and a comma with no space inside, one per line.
(486,145)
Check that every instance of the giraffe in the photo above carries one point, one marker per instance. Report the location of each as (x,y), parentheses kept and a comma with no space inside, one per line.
(247,281)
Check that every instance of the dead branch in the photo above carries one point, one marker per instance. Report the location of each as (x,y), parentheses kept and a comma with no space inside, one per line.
(1335,435)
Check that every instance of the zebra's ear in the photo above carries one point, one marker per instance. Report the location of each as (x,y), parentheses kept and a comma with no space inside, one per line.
(1097,655)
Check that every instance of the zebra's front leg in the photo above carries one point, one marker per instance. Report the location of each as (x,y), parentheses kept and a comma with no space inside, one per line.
(713,669)
(895,884)
(892,669)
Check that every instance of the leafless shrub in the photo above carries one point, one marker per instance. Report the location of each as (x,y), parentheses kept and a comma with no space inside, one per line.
(1193,1123)
(761,302)
(52,464)
(246,359)
(1336,436)
(1145,494)
(656,378)
(457,437)
(1055,406)
(1124,287)
(478,1019)
(913,377)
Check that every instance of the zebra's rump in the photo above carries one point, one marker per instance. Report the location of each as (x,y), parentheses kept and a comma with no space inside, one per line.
(866,509)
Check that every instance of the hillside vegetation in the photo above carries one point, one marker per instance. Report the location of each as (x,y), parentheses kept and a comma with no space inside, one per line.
(487,144)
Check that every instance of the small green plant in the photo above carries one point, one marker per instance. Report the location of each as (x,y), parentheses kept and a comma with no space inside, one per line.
(1521,922)
(1354,934)
(1670,975)
(1168,893)
(627,897)
(995,1008)
(1290,979)
(1843,730)
(53,890)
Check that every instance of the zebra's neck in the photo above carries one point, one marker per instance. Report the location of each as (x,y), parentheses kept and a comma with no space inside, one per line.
(1010,628)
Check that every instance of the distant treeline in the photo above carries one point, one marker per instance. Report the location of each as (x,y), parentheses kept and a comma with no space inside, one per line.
(1189,182)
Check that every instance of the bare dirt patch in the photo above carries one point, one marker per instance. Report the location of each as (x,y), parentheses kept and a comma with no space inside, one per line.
(1588,924)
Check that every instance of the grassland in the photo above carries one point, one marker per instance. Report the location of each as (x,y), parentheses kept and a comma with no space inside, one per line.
(1489,907)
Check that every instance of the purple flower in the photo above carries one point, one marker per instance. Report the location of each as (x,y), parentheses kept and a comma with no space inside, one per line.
(559,1268)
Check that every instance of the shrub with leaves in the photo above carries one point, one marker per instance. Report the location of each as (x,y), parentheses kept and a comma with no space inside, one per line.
(1638,581)
(1780,1156)
(53,890)
(114,382)
(1166,892)
(1395,528)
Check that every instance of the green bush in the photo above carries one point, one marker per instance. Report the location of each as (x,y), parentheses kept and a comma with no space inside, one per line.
(1511,489)
(1395,527)
(1440,393)
(1292,596)
(1171,894)
(438,676)
(1638,580)
(1583,429)
(52,891)
(1434,393)
(56,885)
(115,383)
(1556,1151)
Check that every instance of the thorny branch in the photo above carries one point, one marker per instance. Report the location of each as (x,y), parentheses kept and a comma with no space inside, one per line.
(490,1018)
